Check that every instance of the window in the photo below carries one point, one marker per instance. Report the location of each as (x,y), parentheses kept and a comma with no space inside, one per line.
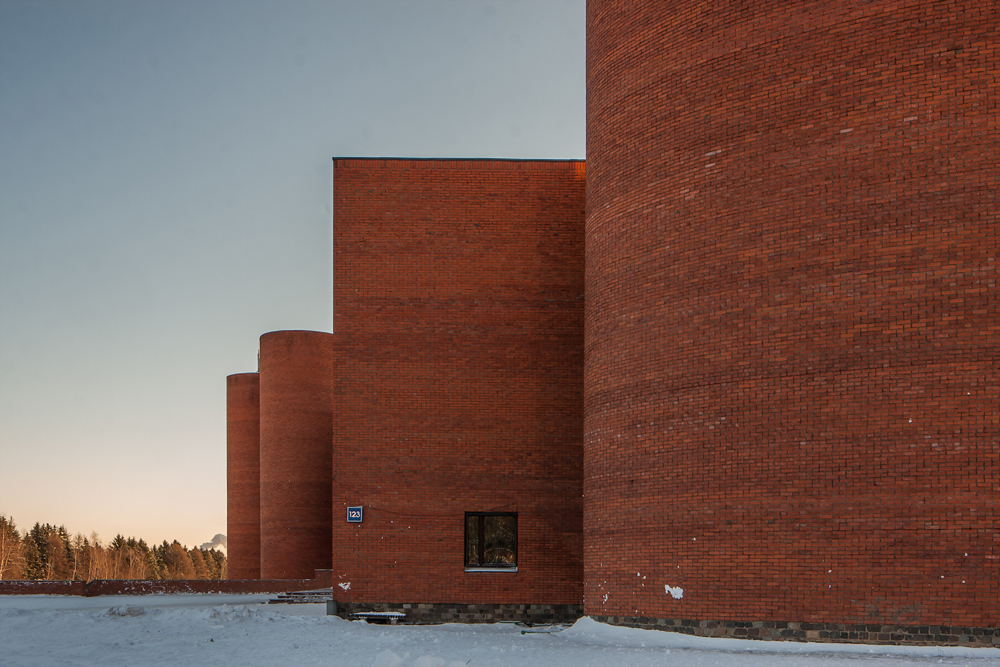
(490,541)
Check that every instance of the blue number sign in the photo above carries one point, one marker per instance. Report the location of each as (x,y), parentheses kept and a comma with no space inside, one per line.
(353,515)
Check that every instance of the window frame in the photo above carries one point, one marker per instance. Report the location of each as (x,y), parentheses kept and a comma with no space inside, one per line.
(481,546)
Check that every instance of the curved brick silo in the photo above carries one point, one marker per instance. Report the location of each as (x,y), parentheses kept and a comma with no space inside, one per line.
(295,453)
(791,384)
(243,475)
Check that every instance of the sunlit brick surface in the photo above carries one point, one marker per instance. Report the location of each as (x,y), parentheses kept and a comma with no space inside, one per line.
(458,304)
(295,453)
(243,475)
(791,387)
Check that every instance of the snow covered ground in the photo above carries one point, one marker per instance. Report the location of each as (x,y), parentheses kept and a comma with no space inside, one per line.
(241,630)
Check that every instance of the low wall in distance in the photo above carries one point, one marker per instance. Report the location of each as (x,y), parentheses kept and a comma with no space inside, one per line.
(32,587)
(321,579)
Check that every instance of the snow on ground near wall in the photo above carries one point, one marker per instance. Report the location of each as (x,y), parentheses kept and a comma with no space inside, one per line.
(241,630)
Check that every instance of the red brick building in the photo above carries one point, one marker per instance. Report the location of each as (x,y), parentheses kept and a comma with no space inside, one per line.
(738,377)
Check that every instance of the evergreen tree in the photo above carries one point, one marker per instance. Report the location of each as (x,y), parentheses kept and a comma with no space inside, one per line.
(177,563)
(33,567)
(218,563)
(50,552)
(211,564)
(160,554)
(36,551)
(223,561)
(198,564)
(60,565)
(154,564)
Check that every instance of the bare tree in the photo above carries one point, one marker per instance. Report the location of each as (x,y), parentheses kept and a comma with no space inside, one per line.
(80,549)
(11,550)
(99,566)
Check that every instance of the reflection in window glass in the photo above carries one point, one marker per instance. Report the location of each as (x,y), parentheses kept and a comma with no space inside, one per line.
(490,540)
(472,540)
(500,540)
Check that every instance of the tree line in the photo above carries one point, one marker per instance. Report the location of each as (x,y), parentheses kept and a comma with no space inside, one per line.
(50,552)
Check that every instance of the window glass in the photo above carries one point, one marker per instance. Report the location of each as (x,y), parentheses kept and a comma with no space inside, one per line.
(472,540)
(501,541)
(491,540)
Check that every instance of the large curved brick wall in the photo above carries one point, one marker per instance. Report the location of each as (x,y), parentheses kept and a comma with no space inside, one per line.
(296,442)
(243,475)
(459,309)
(791,384)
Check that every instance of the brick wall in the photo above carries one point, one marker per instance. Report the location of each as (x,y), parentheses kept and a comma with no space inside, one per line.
(33,587)
(295,453)
(791,392)
(458,306)
(243,475)
(319,579)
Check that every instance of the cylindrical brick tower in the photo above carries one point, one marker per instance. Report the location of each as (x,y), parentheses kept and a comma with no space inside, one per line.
(792,402)
(243,475)
(295,453)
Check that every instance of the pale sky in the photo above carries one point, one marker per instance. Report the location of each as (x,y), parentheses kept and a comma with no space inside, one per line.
(165,198)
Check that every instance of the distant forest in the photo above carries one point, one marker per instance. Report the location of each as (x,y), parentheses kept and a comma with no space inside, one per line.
(49,552)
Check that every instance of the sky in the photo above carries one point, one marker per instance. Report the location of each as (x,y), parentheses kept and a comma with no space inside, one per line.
(165,199)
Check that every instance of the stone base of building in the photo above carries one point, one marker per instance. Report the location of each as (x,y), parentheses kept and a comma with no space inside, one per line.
(867,633)
(529,614)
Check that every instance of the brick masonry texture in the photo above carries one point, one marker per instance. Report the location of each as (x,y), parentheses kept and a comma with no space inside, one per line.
(792,403)
(780,404)
(32,587)
(95,587)
(243,475)
(296,444)
(458,310)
